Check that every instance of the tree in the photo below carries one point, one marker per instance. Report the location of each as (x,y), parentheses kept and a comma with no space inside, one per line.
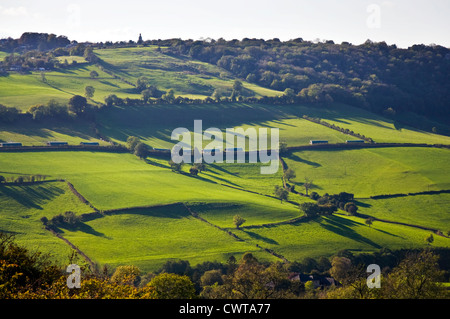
(127,275)
(237,86)
(132,141)
(281,193)
(89,92)
(94,74)
(307,184)
(217,95)
(351,208)
(238,221)
(141,83)
(369,221)
(176,167)
(310,209)
(193,170)
(146,95)
(2,179)
(342,269)
(201,167)
(141,150)
(416,277)
(211,277)
(77,104)
(289,174)
(172,286)
(169,96)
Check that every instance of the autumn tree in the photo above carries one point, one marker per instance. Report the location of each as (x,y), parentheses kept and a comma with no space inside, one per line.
(416,277)
(172,286)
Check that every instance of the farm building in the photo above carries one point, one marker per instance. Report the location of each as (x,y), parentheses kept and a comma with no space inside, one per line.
(317,142)
(11,144)
(90,143)
(319,281)
(354,141)
(56,143)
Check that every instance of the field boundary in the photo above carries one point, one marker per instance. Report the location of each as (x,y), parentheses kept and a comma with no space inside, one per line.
(78,250)
(270,251)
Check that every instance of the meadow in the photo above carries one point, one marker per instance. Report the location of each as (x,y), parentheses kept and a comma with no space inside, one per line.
(144,220)
(370,172)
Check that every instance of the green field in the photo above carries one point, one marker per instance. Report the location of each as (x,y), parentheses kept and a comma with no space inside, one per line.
(150,214)
(426,210)
(326,236)
(188,78)
(380,129)
(22,207)
(369,172)
(191,79)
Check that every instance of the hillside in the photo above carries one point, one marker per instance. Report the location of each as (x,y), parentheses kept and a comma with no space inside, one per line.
(142,211)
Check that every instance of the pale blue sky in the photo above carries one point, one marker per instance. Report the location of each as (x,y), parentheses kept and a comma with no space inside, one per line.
(399,22)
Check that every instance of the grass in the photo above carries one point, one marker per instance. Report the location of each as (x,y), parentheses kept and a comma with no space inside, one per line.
(149,237)
(369,172)
(38,133)
(122,180)
(154,124)
(380,129)
(425,210)
(22,207)
(188,78)
(325,236)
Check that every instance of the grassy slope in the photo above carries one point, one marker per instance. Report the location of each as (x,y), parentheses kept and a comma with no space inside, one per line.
(149,237)
(22,207)
(122,180)
(369,172)
(189,78)
(379,128)
(426,210)
(326,236)
(38,133)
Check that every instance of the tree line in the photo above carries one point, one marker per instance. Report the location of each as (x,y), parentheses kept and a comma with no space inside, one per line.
(372,75)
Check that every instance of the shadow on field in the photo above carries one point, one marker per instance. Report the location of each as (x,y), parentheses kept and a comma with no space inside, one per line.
(259,237)
(343,227)
(83,227)
(301,160)
(30,196)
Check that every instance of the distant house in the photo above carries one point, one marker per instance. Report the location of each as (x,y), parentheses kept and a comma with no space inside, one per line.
(10,144)
(90,143)
(56,143)
(354,141)
(317,280)
(317,142)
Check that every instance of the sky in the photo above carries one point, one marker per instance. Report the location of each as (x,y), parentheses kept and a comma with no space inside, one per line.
(399,22)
